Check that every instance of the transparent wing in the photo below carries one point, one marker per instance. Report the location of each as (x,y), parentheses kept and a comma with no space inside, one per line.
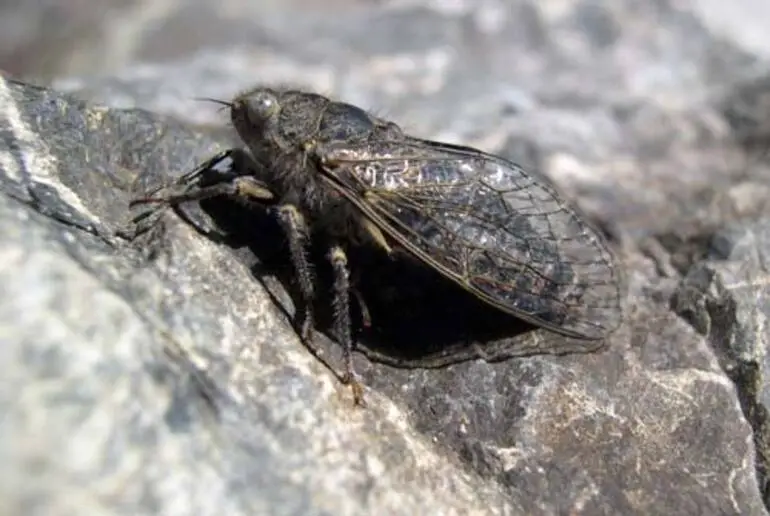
(500,232)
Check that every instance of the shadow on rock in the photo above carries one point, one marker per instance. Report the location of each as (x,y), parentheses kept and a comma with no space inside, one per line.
(418,318)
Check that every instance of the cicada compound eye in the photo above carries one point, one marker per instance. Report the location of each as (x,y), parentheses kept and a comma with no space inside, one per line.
(261,106)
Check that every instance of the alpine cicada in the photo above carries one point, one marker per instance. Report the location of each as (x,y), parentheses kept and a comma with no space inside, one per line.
(330,170)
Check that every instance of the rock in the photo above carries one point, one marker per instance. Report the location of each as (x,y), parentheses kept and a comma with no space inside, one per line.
(747,108)
(188,392)
(725,297)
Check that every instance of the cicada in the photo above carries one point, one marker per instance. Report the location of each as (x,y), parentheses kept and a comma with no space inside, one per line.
(334,172)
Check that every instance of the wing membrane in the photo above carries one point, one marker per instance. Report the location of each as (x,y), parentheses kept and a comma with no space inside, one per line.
(500,232)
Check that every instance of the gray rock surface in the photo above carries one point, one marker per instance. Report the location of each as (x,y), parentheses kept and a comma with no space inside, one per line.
(726,298)
(163,378)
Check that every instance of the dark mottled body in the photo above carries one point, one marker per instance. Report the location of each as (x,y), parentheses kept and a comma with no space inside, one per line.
(335,172)
(286,149)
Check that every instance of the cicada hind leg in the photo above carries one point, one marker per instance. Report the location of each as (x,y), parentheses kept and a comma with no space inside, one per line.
(342,322)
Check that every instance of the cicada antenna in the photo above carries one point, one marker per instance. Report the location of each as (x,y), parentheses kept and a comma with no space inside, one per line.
(223,103)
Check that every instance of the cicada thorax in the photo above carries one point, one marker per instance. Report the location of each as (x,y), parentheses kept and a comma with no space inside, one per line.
(306,118)
(345,123)
(293,169)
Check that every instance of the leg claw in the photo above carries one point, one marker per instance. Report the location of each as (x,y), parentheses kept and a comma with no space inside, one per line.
(357,388)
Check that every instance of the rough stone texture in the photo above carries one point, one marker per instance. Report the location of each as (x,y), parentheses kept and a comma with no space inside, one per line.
(164,378)
(726,297)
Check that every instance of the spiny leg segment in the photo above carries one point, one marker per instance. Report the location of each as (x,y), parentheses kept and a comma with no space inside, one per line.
(238,156)
(342,326)
(229,185)
(244,186)
(296,230)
